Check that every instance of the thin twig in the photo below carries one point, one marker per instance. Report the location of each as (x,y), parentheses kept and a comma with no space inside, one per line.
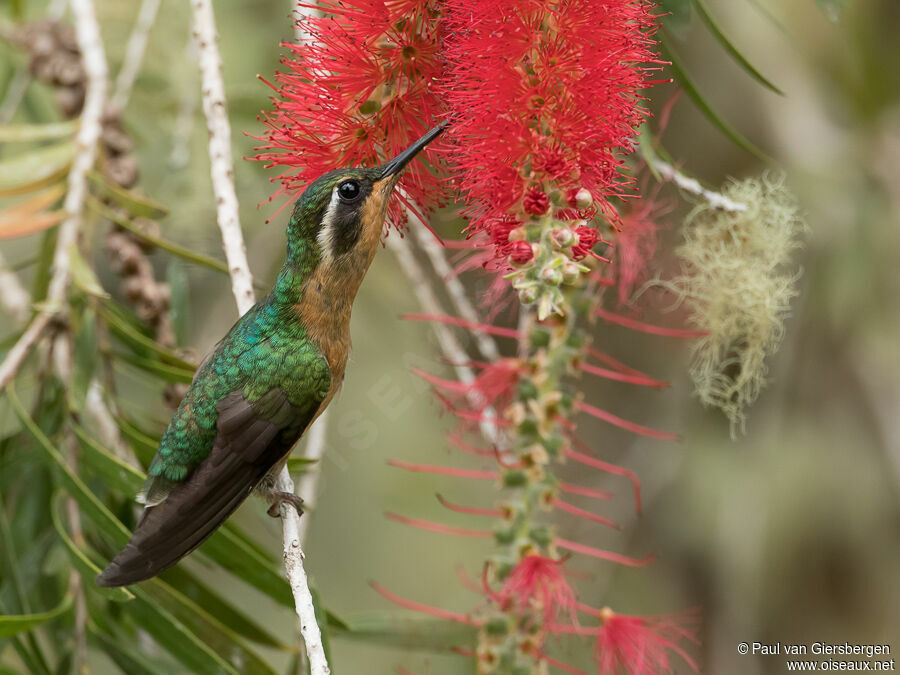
(87,33)
(308,484)
(451,348)
(455,289)
(222,171)
(716,199)
(221,165)
(134,53)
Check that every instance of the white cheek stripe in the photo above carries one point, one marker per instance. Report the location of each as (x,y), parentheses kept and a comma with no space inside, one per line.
(325,237)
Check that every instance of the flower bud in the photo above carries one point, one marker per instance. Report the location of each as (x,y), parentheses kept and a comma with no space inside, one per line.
(528,295)
(570,273)
(536,202)
(521,254)
(517,234)
(552,275)
(562,237)
(581,198)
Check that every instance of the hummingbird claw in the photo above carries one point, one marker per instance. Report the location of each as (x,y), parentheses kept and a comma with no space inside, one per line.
(279,498)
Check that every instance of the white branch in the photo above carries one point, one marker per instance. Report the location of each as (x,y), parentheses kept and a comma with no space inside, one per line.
(134,53)
(222,171)
(13,296)
(450,346)
(455,289)
(716,199)
(221,166)
(308,484)
(87,33)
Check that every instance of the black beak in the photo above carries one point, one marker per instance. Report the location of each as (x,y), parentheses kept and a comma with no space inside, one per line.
(394,166)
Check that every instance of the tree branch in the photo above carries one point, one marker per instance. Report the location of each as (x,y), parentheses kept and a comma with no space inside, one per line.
(716,199)
(221,165)
(308,483)
(134,53)
(87,33)
(222,171)
(13,296)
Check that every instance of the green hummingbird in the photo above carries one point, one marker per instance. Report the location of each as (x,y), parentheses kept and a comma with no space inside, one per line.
(266,381)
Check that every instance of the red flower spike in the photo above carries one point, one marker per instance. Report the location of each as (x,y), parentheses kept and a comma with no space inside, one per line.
(357,91)
(539,581)
(554,90)
(639,645)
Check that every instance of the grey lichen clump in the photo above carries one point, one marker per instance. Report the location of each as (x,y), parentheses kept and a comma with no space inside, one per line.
(738,282)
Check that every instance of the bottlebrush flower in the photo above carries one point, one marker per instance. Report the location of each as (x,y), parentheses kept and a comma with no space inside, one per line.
(358,90)
(537,581)
(639,645)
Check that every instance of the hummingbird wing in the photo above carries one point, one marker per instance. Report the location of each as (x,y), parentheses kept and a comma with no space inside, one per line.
(250,438)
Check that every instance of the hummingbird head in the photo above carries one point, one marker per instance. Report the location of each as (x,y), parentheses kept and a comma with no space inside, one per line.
(341,214)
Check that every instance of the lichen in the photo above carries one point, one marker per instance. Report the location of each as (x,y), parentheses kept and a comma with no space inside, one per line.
(737,280)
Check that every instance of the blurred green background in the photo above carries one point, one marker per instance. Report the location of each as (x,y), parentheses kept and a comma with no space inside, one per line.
(791,533)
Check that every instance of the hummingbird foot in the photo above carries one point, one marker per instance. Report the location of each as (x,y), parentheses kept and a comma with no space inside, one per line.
(279,498)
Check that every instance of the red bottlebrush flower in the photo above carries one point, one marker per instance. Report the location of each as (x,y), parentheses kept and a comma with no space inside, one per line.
(588,238)
(636,244)
(492,387)
(640,645)
(546,89)
(357,91)
(539,581)
(536,202)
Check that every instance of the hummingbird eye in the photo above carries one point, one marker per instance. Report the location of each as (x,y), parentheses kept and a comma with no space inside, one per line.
(349,190)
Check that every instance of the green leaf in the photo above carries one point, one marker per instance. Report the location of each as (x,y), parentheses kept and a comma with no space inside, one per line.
(83,274)
(44,264)
(24,133)
(11,624)
(80,559)
(136,205)
(157,368)
(85,357)
(174,636)
(115,473)
(731,49)
(143,444)
(408,632)
(242,560)
(159,242)
(205,597)
(299,464)
(832,9)
(206,627)
(691,90)
(141,344)
(90,505)
(35,168)
(132,662)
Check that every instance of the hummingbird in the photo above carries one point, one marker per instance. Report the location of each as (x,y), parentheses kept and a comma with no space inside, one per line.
(268,379)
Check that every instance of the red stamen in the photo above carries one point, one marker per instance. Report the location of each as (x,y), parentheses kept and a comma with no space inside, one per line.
(440,528)
(584,491)
(575,511)
(622,377)
(419,607)
(625,424)
(575,547)
(646,327)
(608,468)
(562,666)
(471,510)
(463,323)
(444,470)
(614,364)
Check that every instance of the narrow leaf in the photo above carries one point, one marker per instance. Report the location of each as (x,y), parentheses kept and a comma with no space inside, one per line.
(115,473)
(90,505)
(731,49)
(35,168)
(29,216)
(175,637)
(138,206)
(161,370)
(85,358)
(691,90)
(130,661)
(298,465)
(80,559)
(206,627)
(25,133)
(11,624)
(391,629)
(140,343)
(83,274)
